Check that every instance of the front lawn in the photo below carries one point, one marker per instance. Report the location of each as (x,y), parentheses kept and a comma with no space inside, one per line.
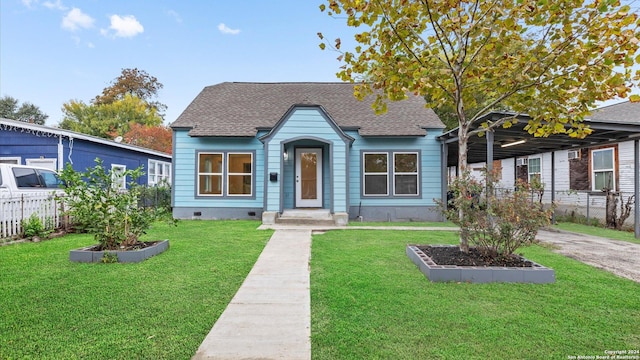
(161,308)
(369,301)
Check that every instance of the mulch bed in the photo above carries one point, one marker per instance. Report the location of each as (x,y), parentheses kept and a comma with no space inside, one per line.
(451,255)
(136,246)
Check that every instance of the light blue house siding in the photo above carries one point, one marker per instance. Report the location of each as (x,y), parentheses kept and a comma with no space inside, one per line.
(187,204)
(342,171)
(390,208)
(306,127)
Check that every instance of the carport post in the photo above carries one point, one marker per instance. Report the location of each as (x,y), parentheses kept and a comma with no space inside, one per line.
(636,190)
(553,185)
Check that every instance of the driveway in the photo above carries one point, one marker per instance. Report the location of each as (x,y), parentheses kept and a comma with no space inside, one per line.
(619,257)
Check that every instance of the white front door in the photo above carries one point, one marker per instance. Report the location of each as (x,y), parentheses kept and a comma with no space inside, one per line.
(308,178)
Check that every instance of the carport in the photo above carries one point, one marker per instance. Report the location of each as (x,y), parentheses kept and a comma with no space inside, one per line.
(520,143)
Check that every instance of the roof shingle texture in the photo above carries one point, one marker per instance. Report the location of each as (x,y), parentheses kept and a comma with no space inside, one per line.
(626,112)
(240,109)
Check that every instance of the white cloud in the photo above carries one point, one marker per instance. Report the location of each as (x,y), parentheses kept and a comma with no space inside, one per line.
(124,26)
(227,30)
(76,19)
(29,3)
(90,45)
(54,5)
(175,15)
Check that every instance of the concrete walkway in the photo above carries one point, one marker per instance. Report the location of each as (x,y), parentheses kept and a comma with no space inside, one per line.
(270,315)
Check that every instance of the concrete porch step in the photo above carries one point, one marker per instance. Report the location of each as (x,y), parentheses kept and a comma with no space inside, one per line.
(305,217)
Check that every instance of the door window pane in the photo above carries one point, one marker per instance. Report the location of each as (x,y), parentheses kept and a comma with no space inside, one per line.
(309,176)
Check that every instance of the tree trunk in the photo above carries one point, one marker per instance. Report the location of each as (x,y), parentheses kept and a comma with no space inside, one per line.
(462,165)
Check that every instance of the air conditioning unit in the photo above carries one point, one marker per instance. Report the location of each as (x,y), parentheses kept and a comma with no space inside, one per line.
(573,154)
(522,161)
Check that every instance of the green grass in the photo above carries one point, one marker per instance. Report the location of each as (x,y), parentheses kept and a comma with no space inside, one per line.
(409,223)
(598,231)
(369,301)
(162,308)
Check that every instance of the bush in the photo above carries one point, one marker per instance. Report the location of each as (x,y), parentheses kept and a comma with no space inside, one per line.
(34,227)
(496,224)
(97,206)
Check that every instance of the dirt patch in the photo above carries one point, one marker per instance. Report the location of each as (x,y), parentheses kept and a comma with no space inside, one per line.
(451,255)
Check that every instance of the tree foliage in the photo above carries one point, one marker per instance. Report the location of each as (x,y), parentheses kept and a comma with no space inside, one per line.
(152,137)
(550,59)
(110,119)
(133,82)
(26,112)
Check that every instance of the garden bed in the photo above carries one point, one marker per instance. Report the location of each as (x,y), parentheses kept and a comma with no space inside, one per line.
(454,265)
(140,252)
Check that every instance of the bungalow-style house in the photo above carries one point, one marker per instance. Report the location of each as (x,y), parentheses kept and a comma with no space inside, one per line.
(30,144)
(264,150)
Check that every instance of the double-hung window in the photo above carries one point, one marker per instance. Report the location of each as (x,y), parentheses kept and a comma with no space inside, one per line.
(603,171)
(239,174)
(405,174)
(376,174)
(535,168)
(225,174)
(159,172)
(118,180)
(392,173)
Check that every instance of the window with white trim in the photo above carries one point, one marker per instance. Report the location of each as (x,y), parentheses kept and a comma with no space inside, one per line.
(10,160)
(225,174)
(239,174)
(602,169)
(534,168)
(119,181)
(159,172)
(405,173)
(395,170)
(376,178)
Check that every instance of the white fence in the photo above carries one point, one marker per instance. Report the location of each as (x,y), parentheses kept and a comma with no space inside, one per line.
(14,209)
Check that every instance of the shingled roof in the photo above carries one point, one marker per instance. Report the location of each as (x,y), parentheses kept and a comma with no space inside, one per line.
(625,112)
(240,109)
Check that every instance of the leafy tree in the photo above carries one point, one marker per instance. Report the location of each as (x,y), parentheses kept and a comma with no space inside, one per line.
(133,82)
(26,112)
(110,119)
(152,137)
(550,59)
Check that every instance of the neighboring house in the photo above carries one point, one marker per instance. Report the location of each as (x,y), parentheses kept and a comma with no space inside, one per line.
(251,150)
(53,148)
(582,168)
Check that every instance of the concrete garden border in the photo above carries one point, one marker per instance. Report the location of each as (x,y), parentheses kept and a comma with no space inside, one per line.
(537,274)
(128,256)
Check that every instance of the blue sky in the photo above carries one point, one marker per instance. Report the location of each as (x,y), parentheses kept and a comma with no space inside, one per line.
(53,51)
